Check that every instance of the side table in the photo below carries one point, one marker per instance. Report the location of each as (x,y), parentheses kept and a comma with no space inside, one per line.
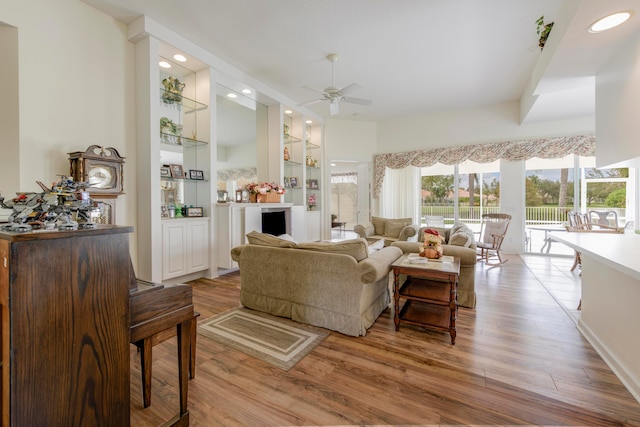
(430,292)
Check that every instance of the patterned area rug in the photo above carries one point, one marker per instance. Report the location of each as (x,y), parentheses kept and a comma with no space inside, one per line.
(275,340)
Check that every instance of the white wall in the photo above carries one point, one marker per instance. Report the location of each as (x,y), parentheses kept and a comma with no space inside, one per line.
(474,126)
(350,140)
(75,90)
(9,118)
(241,156)
(617,106)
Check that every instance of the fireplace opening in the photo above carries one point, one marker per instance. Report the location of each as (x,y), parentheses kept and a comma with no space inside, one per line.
(274,223)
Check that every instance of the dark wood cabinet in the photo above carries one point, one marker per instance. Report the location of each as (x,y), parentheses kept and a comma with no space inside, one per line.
(64,300)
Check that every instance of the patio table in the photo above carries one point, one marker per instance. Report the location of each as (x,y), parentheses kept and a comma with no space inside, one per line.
(547,229)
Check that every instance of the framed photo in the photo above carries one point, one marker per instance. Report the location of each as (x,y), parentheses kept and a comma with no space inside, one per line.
(194,212)
(170,196)
(164,211)
(176,171)
(286,183)
(312,184)
(196,174)
(165,172)
(293,180)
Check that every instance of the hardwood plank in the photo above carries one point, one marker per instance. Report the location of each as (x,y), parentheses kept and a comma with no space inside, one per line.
(518,359)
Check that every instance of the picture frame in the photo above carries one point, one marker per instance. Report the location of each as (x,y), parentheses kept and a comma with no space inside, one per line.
(286,183)
(164,212)
(312,184)
(194,212)
(165,172)
(176,171)
(293,180)
(170,196)
(196,174)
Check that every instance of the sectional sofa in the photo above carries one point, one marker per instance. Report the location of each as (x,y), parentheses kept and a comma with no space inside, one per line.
(334,285)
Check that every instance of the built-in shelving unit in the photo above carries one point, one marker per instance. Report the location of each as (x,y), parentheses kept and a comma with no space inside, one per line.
(180,147)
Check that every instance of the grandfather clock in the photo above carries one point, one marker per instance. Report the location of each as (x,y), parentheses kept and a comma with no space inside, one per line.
(103,170)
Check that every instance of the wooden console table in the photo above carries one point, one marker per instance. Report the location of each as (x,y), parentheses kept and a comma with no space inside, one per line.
(64,302)
(430,291)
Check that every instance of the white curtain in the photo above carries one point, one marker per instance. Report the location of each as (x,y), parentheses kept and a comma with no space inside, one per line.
(399,197)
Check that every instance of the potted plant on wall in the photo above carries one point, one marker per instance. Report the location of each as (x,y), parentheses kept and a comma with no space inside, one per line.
(543,31)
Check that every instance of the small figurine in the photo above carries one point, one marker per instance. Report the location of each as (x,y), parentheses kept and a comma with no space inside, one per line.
(286,154)
(432,244)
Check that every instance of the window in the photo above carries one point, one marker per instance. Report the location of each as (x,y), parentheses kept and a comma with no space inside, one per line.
(460,193)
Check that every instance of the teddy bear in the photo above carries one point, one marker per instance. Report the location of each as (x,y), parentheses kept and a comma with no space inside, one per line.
(432,244)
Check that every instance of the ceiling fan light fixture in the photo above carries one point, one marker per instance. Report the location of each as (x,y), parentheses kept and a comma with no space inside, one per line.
(609,21)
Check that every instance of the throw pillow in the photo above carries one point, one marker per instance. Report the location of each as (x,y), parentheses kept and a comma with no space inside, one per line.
(378,225)
(357,248)
(374,247)
(461,235)
(263,239)
(286,237)
(393,228)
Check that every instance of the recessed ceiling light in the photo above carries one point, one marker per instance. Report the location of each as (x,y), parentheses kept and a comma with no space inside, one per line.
(288,111)
(247,91)
(308,122)
(609,21)
(164,64)
(179,58)
(232,95)
(333,164)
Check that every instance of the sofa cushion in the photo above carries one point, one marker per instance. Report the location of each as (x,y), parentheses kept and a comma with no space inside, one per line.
(460,235)
(393,227)
(357,248)
(378,225)
(263,239)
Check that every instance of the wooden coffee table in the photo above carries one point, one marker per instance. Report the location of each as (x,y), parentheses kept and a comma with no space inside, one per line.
(430,292)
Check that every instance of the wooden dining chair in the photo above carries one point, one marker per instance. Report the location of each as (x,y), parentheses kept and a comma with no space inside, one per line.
(492,232)
(581,223)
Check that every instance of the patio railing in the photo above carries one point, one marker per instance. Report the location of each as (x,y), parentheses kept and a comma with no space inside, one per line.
(538,215)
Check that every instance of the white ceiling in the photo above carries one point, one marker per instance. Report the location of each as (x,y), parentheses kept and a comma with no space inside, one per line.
(408,56)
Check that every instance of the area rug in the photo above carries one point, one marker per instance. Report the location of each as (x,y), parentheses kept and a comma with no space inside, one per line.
(278,341)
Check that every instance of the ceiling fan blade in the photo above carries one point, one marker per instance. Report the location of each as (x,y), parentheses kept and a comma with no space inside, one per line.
(348,88)
(334,108)
(310,102)
(357,100)
(314,89)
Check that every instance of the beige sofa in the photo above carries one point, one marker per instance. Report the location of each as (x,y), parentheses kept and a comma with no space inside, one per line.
(391,230)
(338,286)
(459,242)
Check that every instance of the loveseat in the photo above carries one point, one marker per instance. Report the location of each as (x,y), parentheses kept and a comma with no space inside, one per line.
(387,229)
(334,285)
(459,242)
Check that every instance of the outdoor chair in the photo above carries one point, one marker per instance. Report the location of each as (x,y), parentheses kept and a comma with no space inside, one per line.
(609,218)
(492,232)
(434,221)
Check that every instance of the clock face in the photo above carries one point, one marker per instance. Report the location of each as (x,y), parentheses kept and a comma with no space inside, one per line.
(102,177)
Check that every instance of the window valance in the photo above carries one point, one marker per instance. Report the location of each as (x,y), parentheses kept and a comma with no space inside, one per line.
(545,148)
(235,174)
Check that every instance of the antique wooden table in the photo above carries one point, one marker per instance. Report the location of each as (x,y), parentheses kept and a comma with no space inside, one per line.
(430,293)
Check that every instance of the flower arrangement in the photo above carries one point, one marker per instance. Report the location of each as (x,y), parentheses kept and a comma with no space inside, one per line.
(264,188)
(311,202)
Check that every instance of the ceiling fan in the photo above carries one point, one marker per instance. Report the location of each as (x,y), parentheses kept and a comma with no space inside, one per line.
(334,95)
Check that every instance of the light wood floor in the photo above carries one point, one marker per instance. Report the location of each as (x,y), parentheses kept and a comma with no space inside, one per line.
(518,360)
